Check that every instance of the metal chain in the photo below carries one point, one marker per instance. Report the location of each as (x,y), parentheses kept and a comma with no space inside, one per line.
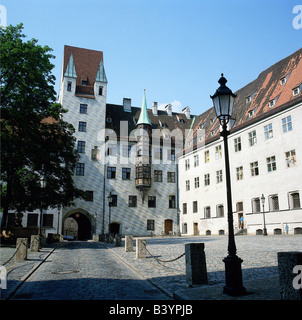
(160,259)
(35,239)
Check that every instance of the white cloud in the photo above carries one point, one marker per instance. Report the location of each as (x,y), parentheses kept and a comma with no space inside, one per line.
(176,106)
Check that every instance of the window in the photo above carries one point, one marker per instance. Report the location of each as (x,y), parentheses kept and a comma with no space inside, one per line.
(158,176)
(220,211)
(239,173)
(69,85)
(171,176)
(80,169)
(207,212)
(89,195)
(32,219)
(100,91)
(158,153)
(274,203)
(239,206)
(151,202)
(84,82)
(252,138)
(196,182)
(237,144)
(271,164)
(218,176)
(207,179)
(268,131)
(82,126)
(48,220)
(294,200)
(172,202)
(296,91)
(187,185)
(171,155)
(184,228)
(207,156)
(111,172)
(196,161)
(132,201)
(254,169)
(187,164)
(83,108)
(184,208)
(272,103)
(218,152)
(112,149)
(251,113)
(195,207)
(126,149)
(150,225)
(256,205)
(290,158)
(287,124)
(248,99)
(81,147)
(283,81)
(126,173)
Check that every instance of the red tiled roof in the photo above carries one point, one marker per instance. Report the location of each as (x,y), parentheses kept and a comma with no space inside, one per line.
(86,64)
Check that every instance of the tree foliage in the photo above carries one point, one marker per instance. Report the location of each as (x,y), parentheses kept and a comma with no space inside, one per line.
(35,140)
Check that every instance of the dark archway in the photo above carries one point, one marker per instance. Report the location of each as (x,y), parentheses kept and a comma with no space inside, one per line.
(84,225)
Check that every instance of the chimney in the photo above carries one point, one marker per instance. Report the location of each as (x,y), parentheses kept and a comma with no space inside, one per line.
(186,111)
(154,108)
(127,104)
(169,109)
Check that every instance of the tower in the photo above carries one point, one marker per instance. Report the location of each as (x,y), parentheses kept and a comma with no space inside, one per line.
(143,151)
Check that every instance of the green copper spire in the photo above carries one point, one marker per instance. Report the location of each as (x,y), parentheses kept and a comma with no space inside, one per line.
(143,117)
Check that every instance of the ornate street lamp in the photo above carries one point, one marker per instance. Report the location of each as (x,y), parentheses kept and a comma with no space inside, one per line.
(264,226)
(223,100)
(43,184)
(109,204)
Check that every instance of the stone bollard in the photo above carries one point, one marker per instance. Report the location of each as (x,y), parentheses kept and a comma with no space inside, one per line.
(21,249)
(140,248)
(111,238)
(34,243)
(118,240)
(290,279)
(196,268)
(96,237)
(128,243)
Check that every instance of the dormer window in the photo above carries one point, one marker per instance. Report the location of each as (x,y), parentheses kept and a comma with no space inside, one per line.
(84,82)
(282,81)
(248,99)
(251,113)
(296,91)
(272,103)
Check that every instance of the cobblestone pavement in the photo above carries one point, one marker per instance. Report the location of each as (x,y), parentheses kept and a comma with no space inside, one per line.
(85,271)
(259,267)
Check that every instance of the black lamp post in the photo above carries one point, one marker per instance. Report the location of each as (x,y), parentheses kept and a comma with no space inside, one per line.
(264,226)
(223,100)
(109,204)
(43,184)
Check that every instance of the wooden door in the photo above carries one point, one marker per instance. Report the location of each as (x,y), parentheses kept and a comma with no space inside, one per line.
(168,226)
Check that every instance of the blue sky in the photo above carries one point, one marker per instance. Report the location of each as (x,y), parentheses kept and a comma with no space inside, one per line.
(176,49)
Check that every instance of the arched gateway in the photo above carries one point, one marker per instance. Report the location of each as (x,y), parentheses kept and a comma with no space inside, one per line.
(79,223)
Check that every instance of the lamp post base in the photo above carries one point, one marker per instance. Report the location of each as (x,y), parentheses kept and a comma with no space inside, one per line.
(233,276)
(264,232)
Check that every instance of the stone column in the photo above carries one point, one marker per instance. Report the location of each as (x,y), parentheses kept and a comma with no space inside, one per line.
(289,267)
(21,249)
(196,268)
(34,243)
(140,248)
(128,243)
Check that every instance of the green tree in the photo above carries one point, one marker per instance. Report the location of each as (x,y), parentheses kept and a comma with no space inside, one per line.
(35,140)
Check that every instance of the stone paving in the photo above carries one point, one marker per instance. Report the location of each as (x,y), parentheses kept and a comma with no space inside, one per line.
(93,268)
(259,267)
